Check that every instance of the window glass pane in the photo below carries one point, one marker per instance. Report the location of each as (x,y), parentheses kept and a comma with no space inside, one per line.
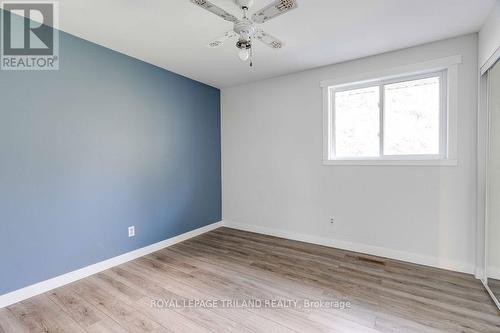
(357,119)
(411,113)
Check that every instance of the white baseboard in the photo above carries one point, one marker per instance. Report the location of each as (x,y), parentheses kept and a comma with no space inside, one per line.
(358,247)
(61,280)
(480,274)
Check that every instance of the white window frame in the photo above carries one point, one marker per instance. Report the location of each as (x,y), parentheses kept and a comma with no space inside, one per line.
(445,68)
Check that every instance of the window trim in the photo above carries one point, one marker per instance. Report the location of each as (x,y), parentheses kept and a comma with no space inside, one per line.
(447,68)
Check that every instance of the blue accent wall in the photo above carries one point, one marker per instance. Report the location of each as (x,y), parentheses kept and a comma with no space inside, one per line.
(104,143)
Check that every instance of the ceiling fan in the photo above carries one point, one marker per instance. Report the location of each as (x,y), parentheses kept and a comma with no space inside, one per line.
(245,27)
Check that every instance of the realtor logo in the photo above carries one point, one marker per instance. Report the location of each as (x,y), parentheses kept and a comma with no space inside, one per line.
(29,37)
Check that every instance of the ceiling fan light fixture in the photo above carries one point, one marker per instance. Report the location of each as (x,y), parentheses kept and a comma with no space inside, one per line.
(243,54)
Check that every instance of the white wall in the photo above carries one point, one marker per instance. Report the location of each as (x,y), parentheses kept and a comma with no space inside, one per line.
(274,180)
(489,36)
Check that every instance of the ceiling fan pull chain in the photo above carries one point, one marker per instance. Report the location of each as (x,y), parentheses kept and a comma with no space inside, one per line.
(251,56)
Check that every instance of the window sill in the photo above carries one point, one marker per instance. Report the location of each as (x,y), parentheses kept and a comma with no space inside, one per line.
(375,162)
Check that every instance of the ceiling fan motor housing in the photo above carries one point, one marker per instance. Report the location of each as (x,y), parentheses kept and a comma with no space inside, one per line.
(244,27)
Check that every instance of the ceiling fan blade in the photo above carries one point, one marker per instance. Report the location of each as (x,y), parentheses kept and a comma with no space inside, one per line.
(215,9)
(269,40)
(220,41)
(275,9)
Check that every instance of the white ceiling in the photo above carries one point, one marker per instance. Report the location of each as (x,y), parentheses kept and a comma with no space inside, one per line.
(173,33)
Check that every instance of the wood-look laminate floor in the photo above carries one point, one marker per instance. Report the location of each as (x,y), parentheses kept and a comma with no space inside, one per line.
(385,295)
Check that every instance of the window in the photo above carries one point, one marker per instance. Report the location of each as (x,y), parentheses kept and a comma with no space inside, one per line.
(356,126)
(403,119)
(392,118)
(412,117)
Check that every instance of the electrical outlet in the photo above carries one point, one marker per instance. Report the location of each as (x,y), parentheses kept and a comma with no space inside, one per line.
(131,231)
(332,220)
